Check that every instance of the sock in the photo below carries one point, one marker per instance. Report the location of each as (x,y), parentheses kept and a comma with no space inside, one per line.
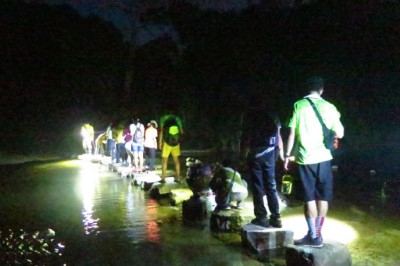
(319,222)
(311,226)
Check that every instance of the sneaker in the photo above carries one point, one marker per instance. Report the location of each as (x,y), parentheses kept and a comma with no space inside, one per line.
(317,242)
(260,222)
(308,241)
(275,222)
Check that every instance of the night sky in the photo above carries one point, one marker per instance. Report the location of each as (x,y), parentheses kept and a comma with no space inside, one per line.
(63,65)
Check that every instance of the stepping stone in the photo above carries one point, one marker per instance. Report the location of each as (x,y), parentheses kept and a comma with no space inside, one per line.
(259,239)
(194,212)
(231,220)
(178,195)
(331,254)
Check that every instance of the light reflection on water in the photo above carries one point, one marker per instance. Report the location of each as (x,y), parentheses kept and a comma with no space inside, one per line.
(88,181)
(140,213)
(152,228)
(104,220)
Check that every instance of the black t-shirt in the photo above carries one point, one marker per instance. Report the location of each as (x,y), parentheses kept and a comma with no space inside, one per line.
(260,130)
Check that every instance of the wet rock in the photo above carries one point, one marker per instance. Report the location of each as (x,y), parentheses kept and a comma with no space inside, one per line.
(26,248)
(145,180)
(260,239)
(105,160)
(194,211)
(178,195)
(331,254)
(231,220)
(116,167)
(158,188)
(125,171)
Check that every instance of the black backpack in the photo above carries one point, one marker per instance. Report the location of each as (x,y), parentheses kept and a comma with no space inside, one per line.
(171,132)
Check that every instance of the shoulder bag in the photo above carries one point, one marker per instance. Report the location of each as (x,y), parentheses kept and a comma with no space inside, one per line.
(330,139)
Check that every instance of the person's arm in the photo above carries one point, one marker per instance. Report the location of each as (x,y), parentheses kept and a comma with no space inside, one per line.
(280,145)
(338,128)
(180,124)
(290,144)
(155,136)
(160,138)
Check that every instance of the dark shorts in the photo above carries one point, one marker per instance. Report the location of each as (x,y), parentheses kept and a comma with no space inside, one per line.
(317,181)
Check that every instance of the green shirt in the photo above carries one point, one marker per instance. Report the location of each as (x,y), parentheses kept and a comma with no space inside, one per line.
(309,145)
(171,116)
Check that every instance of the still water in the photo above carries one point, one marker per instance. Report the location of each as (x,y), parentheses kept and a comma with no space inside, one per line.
(100,218)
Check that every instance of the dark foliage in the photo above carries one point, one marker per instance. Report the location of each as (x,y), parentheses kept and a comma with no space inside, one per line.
(61,69)
(57,68)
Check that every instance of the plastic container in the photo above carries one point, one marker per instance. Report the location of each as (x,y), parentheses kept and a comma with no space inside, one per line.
(287,184)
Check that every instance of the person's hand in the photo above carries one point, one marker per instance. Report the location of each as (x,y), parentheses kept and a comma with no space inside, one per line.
(287,161)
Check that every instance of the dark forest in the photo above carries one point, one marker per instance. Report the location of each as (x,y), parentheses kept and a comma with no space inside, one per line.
(60,69)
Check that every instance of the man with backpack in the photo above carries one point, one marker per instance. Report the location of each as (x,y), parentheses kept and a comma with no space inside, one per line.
(169,142)
(137,133)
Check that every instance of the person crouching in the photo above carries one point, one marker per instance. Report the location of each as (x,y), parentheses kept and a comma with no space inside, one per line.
(228,186)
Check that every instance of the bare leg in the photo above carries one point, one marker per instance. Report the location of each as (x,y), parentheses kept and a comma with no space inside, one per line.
(177,168)
(141,160)
(136,156)
(311,210)
(323,207)
(164,167)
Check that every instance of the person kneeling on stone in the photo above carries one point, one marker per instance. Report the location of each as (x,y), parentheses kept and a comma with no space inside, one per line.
(228,186)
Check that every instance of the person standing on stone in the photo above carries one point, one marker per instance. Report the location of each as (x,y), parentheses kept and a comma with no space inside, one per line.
(87,132)
(120,145)
(137,132)
(128,145)
(111,142)
(312,156)
(261,145)
(150,143)
(169,142)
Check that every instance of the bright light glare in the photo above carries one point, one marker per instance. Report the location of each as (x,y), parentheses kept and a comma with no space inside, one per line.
(331,230)
(87,184)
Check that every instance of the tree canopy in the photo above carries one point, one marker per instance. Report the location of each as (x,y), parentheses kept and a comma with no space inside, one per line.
(60,69)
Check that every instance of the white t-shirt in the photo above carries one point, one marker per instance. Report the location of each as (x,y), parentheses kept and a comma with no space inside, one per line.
(150,138)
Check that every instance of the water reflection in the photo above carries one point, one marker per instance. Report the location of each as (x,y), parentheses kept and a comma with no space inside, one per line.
(88,181)
(112,204)
(104,220)
(141,216)
(152,228)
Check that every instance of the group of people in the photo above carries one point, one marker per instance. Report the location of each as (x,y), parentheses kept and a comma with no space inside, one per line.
(138,139)
(136,144)
(262,145)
